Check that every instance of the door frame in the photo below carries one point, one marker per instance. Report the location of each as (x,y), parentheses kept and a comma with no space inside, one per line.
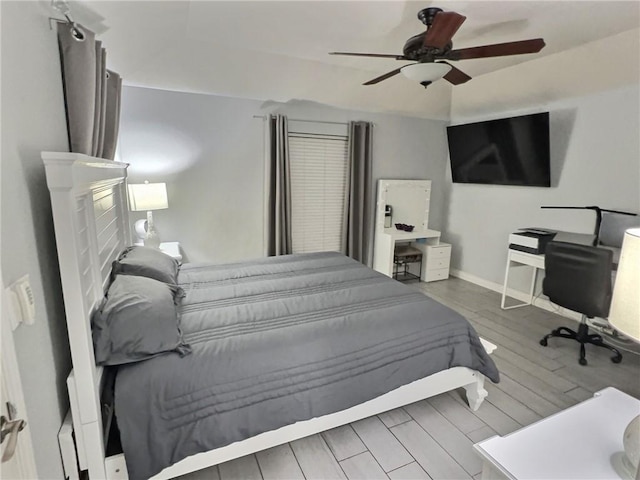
(24,456)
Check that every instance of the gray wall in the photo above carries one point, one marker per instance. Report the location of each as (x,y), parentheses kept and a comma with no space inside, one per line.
(209,150)
(595,160)
(33,120)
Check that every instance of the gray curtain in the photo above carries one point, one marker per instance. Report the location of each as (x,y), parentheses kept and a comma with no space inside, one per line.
(100,99)
(112,112)
(279,190)
(356,230)
(92,100)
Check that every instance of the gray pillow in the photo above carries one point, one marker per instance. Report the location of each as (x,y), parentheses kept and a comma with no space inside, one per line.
(147,262)
(136,321)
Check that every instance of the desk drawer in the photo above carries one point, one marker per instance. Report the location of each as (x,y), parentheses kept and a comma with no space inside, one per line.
(434,275)
(443,250)
(526,258)
(438,263)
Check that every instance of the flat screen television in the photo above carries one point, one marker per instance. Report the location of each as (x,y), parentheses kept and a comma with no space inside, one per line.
(507,151)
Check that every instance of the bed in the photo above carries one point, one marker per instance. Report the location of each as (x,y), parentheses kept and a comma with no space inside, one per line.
(281,348)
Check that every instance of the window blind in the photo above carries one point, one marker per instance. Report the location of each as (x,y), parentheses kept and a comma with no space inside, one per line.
(318,178)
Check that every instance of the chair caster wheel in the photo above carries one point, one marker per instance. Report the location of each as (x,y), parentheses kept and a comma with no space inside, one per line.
(616,359)
(583,361)
(543,342)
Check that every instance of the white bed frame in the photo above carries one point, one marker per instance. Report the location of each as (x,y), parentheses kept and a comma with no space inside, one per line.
(89,202)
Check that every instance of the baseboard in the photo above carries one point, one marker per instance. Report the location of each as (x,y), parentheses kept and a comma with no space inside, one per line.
(539,302)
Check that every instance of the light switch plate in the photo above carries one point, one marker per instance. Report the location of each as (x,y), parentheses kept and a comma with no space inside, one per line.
(22,302)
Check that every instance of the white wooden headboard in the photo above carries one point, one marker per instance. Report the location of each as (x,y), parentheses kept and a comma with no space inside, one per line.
(90,213)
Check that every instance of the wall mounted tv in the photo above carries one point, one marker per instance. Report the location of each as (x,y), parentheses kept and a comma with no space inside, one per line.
(507,151)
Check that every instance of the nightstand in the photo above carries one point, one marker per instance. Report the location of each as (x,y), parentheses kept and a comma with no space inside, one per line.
(170,248)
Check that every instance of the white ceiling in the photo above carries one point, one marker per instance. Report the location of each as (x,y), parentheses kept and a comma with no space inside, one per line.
(277,51)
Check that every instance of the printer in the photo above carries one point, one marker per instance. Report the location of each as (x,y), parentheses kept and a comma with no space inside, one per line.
(531,240)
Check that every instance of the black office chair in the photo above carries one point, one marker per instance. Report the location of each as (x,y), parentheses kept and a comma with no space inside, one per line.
(611,226)
(578,277)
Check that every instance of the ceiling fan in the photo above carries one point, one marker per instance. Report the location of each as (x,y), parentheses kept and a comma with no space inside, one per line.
(432,48)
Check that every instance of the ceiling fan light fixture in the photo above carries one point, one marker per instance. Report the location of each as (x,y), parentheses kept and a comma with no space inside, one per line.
(426,73)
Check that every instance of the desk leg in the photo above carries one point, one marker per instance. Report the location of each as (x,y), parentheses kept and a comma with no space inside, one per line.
(383,248)
(534,276)
(506,285)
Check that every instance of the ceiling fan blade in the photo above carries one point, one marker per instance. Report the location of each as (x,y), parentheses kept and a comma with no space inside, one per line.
(378,55)
(443,28)
(498,49)
(383,77)
(455,75)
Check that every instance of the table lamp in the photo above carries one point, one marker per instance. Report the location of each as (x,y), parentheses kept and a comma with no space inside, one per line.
(148,196)
(624,316)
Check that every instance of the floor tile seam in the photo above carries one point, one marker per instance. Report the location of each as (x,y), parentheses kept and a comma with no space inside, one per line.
(423,468)
(503,347)
(329,448)
(532,373)
(372,454)
(477,430)
(351,456)
(492,428)
(484,424)
(555,391)
(255,456)
(399,423)
(295,457)
(532,392)
(415,461)
(446,450)
(334,453)
(510,323)
(511,416)
(374,459)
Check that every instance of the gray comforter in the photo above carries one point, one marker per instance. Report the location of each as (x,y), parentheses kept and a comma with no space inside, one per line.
(280,340)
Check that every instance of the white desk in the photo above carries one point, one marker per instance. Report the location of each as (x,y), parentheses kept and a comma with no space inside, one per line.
(516,258)
(582,442)
(385,245)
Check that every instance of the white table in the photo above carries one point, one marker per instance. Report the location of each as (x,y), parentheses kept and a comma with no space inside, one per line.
(385,245)
(582,442)
(517,258)
(170,248)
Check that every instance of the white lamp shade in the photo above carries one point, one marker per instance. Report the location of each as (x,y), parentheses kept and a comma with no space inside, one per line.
(148,196)
(624,314)
(425,72)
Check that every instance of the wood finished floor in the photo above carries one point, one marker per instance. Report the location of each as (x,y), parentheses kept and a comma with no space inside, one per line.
(433,438)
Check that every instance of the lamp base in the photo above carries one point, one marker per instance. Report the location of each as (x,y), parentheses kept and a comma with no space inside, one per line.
(152,239)
(627,463)
(140,228)
(631,441)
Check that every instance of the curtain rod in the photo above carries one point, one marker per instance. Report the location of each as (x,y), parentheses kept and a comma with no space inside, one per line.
(62,7)
(309,121)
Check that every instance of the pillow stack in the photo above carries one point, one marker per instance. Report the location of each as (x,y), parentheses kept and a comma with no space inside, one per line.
(147,262)
(138,318)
